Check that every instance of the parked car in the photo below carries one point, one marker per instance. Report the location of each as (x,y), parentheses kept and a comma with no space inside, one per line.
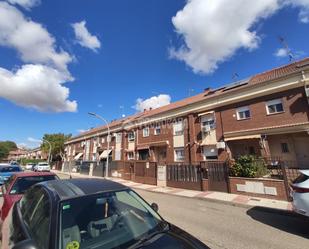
(29,166)
(17,184)
(300,193)
(6,170)
(89,213)
(42,166)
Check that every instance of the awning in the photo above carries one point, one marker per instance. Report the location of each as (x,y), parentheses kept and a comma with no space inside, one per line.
(105,153)
(78,156)
(158,143)
(242,137)
(205,113)
(142,147)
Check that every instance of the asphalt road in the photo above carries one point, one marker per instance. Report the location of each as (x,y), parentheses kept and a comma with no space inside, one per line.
(224,226)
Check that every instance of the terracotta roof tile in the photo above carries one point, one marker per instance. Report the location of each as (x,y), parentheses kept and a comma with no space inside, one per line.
(272,74)
(279,72)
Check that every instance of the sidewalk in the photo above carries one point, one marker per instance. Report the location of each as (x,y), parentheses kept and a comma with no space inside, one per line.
(232,199)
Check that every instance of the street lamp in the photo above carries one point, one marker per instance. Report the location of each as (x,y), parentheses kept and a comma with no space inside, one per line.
(108,138)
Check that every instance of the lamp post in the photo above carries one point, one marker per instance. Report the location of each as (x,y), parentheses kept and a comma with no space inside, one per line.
(108,138)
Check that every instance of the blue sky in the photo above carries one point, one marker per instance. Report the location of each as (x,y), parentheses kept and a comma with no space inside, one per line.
(135,49)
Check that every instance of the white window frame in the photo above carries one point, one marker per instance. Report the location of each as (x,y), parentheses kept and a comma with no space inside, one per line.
(243,109)
(274,102)
(207,118)
(177,159)
(131,138)
(132,153)
(118,138)
(156,129)
(146,132)
(178,128)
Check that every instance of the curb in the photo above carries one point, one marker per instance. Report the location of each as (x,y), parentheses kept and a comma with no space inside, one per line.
(229,203)
(280,211)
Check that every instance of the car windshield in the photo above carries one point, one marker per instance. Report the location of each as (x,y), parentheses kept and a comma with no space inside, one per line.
(109,220)
(43,164)
(4,169)
(23,183)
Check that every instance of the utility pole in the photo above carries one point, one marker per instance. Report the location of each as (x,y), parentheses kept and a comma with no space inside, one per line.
(108,138)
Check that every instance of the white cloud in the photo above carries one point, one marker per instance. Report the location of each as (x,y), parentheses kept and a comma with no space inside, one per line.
(34,140)
(27,4)
(304,9)
(30,39)
(282,52)
(153,102)
(38,87)
(38,84)
(84,38)
(213,30)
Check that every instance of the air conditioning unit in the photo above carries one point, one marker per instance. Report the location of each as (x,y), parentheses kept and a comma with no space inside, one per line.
(206,128)
(221,145)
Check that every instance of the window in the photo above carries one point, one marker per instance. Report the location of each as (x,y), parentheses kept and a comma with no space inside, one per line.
(143,154)
(178,128)
(35,209)
(116,219)
(179,154)
(157,130)
(146,132)
(243,113)
(117,154)
(274,106)
(210,152)
(130,155)
(23,183)
(284,148)
(131,136)
(208,122)
(118,138)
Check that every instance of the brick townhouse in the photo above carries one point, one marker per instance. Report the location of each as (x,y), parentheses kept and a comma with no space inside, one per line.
(265,115)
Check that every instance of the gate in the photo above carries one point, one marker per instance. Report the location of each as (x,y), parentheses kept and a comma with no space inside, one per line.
(184,176)
(128,171)
(145,172)
(98,169)
(85,168)
(218,175)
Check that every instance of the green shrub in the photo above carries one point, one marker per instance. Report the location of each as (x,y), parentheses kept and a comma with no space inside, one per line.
(249,166)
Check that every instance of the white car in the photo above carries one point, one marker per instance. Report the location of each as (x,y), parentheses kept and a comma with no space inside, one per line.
(300,193)
(29,166)
(42,166)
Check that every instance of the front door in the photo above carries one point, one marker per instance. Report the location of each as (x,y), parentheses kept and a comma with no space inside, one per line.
(160,155)
(302,151)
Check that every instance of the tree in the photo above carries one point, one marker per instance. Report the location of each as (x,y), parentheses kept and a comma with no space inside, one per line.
(6,147)
(57,141)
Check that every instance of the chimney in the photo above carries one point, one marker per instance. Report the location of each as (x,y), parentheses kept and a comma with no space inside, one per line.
(207,90)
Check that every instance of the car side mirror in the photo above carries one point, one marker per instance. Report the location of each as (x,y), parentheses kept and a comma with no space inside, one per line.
(26,244)
(155,207)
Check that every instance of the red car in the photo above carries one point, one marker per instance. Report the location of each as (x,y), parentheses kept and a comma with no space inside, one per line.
(13,189)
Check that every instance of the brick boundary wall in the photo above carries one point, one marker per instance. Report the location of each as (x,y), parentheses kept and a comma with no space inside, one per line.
(273,183)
